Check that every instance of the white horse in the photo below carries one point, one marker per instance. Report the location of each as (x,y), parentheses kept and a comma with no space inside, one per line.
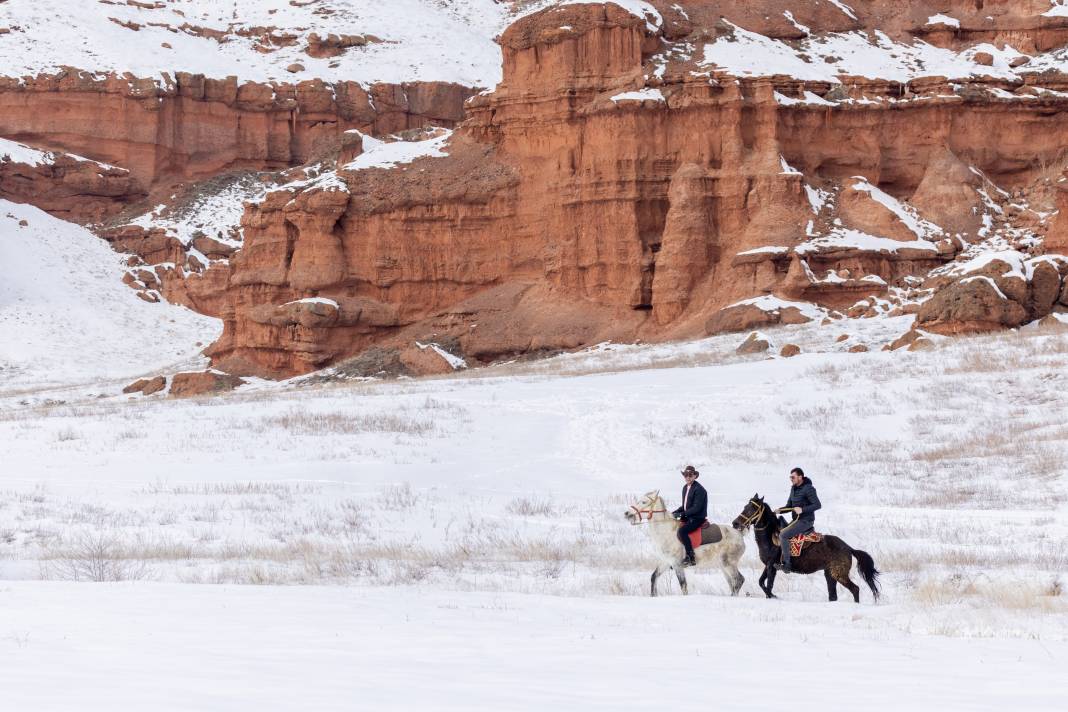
(725,553)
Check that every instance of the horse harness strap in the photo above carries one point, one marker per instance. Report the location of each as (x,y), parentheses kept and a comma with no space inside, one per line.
(751,520)
(650,512)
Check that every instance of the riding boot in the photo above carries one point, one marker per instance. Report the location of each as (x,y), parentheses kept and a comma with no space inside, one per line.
(784,566)
(689,559)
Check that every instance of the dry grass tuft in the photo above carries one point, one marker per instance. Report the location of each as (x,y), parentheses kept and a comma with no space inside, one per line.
(301,422)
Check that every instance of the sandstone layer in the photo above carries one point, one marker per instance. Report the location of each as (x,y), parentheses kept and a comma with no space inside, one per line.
(190,127)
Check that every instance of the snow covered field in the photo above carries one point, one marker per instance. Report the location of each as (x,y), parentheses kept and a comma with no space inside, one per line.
(459,543)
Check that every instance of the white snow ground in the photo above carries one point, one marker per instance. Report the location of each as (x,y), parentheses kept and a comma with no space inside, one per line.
(66,317)
(459,542)
(172,647)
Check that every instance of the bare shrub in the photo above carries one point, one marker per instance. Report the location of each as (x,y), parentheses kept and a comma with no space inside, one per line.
(697,431)
(92,556)
(818,417)
(829,373)
(282,490)
(398,497)
(525,507)
(301,422)
(67,434)
(980,590)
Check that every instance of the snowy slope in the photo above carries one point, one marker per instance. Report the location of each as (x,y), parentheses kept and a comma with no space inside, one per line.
(426,40)
(65,316)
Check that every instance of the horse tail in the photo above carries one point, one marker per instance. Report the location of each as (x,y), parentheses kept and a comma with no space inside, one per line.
(868,571)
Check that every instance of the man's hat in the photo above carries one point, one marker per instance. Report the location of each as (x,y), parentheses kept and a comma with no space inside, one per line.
(690,471)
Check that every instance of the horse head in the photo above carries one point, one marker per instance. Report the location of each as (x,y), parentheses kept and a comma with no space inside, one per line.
(644,509)
(753,511)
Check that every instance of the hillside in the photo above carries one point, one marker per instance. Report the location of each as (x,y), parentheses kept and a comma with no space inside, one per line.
(66,317)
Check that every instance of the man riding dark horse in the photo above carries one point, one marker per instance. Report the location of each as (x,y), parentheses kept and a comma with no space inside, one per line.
(803,503)
(692,513)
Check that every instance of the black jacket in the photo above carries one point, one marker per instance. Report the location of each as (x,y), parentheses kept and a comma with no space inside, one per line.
(804,496)
(698,509)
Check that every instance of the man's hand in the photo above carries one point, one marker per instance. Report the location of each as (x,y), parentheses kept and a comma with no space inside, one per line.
(797,510)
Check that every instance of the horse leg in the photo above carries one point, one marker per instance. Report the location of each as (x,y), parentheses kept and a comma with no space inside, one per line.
(769,572)
(734,577)
(832,586)
(681,575)
(840,571)
(652,581)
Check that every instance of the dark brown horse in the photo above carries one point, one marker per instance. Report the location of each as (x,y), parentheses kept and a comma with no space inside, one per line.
(832,555)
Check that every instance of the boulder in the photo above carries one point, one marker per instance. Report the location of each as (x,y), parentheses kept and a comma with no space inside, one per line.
(186,385)
(858,349)
(790,350)
(1045,289)
(147,386)
(755,343)
(904,340)
(425,360)
(1051,322)
(972,305)
(212,248)
(741,317)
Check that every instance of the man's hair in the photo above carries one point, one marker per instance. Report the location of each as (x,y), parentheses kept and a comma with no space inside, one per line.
(797,471)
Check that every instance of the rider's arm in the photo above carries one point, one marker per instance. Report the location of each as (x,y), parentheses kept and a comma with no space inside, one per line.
(813,502)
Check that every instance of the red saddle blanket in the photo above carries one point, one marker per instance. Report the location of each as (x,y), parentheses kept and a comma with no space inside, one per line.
(798,542)
(701,536)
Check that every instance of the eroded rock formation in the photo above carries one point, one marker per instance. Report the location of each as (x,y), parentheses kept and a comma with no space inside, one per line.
(644,203)
(633,176)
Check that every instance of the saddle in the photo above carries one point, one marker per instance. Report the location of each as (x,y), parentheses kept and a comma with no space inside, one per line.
(798,542)
(707,534)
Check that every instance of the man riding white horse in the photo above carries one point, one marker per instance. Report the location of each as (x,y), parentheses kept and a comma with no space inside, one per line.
(692,513)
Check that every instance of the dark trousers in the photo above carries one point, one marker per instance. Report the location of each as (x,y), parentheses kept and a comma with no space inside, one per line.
(794,528)
(684,535)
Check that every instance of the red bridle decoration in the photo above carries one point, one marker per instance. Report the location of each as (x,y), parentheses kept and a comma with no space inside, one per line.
(650,512)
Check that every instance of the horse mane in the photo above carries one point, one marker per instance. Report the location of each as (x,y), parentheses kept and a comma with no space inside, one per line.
(770,520)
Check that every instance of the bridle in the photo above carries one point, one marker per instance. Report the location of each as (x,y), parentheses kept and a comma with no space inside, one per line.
(749,521)
(641,512)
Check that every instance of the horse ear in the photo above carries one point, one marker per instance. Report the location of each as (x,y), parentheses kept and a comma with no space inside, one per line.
(656,494)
